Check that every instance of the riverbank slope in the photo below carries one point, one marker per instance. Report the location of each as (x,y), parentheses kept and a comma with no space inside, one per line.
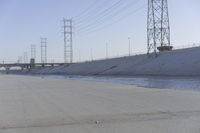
(183,62)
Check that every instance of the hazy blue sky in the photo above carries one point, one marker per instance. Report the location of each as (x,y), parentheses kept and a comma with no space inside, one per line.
(23,22)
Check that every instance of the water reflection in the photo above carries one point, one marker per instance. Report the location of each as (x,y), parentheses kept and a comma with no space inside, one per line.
(162,82)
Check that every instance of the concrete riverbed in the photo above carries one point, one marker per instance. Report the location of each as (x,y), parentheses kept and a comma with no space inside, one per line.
(44,105)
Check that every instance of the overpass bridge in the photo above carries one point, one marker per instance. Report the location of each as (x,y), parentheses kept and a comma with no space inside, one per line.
(30,65)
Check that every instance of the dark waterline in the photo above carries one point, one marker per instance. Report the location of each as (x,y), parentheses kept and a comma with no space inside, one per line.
(161,82)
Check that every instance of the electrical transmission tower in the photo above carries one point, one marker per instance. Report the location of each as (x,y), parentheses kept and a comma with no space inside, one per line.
(19,59)
(33,52)
(158,27)
(43,50)
(25,57)
(68,40)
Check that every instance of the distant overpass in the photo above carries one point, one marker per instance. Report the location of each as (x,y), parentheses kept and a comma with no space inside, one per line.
(30,65)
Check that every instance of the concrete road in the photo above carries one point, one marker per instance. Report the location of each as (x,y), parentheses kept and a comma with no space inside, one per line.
(42,105)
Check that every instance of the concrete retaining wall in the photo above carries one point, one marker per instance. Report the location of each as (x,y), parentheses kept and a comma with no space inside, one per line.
(178,62)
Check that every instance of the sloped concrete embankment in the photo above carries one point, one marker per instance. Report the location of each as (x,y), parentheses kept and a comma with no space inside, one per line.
(184,62)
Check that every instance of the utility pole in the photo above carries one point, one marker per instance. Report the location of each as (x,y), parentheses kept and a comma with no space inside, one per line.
(158,27)
(43,50)
(68,40)
(129,46)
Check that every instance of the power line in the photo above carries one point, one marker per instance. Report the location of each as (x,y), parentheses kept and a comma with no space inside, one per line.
(102,14)
(112,23)
(104,19)
(87,9)
(90,15)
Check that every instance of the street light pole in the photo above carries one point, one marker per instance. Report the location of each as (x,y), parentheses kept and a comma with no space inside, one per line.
(129,45)
(91,54)
(106,50)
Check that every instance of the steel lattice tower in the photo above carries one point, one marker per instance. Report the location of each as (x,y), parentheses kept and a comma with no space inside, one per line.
(158,27)
(33,51)
(68,40)
(43,50)
(25,57)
